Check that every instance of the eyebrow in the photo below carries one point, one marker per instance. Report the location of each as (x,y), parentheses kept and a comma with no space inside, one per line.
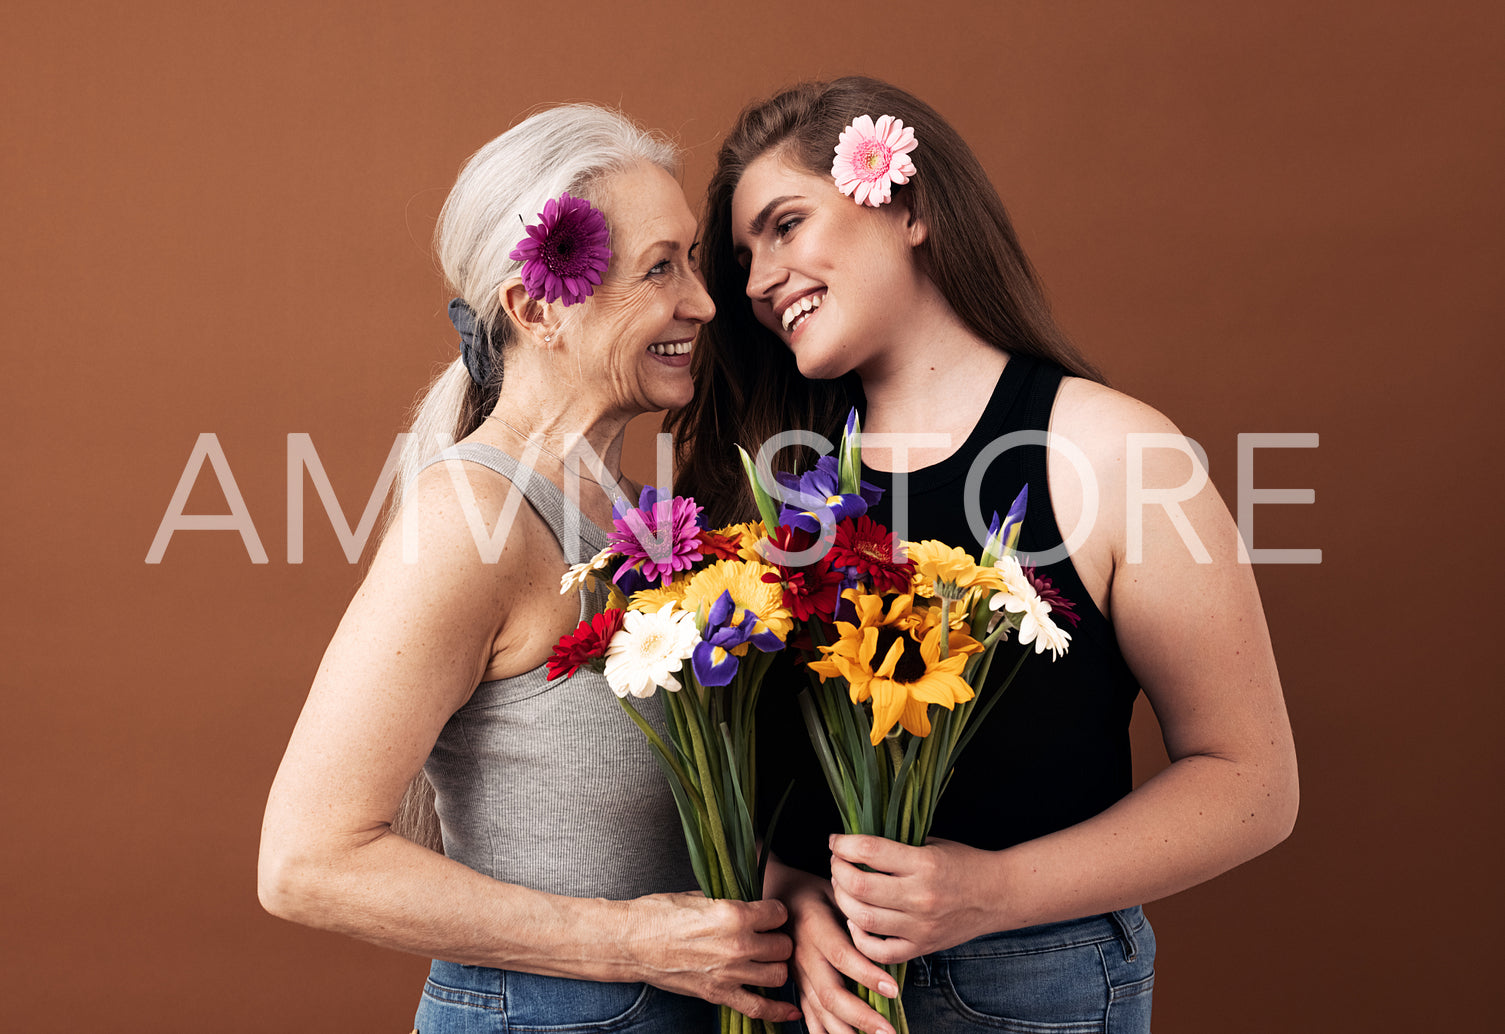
(760,220)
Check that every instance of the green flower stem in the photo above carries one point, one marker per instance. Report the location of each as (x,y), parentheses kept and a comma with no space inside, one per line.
(891,1009)
(718,831)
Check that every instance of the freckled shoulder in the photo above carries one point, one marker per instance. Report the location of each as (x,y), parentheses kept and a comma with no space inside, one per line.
(472,528)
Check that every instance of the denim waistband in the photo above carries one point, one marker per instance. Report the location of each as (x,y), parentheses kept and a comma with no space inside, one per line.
(1122,926)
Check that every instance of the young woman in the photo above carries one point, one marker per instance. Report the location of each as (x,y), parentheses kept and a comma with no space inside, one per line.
(562,903)
(897,284)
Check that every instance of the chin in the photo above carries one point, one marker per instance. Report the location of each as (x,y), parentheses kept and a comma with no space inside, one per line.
(673,399)
(821,368)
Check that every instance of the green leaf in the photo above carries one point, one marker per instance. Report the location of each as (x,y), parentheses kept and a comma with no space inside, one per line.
(766,508)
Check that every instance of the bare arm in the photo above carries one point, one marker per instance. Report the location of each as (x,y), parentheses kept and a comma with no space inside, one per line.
(414,643)
(1195,635)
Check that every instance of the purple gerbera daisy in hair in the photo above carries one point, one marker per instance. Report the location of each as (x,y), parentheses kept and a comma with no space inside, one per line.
(657,538)
(565,252)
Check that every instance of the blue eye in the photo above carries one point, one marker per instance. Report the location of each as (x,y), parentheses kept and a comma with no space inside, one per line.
(660,268)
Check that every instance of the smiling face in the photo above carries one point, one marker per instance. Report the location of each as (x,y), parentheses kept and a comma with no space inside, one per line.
(833,279)
(638,329)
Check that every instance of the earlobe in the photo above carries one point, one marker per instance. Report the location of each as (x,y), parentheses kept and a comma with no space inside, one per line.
(530,317)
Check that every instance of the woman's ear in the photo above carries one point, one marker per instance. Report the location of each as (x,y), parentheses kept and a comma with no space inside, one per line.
(530,317)
(914,224)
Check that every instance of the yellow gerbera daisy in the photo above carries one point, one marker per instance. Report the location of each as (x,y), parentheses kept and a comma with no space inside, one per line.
(649,600)
(893,658)
(750,594)
(949,571)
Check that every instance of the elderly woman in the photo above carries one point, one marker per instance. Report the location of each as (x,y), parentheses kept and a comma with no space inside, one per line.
(563,898)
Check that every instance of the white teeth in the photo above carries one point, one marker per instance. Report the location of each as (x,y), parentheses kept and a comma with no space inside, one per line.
(674,348)
(799,308)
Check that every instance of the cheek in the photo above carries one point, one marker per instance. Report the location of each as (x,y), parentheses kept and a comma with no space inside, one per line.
(631,316)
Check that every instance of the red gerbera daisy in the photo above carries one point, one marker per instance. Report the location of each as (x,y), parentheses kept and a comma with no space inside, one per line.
(865,550)
(586,643)
(722,547)
(810,590)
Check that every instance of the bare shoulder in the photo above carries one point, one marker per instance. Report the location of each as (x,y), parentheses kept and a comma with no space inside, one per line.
(463,543)
(459,514)
(1099,419)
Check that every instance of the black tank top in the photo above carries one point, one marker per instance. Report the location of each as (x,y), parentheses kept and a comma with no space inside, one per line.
(1055,750)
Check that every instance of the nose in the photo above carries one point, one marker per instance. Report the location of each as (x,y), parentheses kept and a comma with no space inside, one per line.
(695,304)
(763,275)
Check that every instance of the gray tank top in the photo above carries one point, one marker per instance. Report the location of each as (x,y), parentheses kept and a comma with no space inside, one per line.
(550,785)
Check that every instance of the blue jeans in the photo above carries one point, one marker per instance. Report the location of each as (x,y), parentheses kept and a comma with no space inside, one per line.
(1083,976)
(477,1000)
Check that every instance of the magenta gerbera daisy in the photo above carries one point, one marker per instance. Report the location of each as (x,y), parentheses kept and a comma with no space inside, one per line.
(565,252)
(871,157)
(658,537)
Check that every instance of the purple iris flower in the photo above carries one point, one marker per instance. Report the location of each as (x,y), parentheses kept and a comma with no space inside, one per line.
(1005,533)
(721,634)
(818,500)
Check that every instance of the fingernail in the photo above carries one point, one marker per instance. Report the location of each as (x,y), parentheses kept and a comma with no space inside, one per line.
(887,989)
(831,841)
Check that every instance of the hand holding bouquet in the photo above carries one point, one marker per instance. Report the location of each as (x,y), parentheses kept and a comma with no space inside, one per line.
(901,640)
(691,614)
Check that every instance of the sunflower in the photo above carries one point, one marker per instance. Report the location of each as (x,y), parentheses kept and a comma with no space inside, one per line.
(892,656)
(750,594)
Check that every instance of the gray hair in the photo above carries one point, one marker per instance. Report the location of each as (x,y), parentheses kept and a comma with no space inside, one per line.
(568,148)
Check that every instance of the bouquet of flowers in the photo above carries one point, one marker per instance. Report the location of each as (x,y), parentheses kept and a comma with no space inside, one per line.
(689,613)
(900,638)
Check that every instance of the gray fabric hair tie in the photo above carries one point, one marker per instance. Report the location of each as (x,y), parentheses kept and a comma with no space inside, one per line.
(475,344)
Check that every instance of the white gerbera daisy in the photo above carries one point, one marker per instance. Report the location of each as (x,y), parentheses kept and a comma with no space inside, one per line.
(576,576)
(649,648)
(1035,625)
(1014,580)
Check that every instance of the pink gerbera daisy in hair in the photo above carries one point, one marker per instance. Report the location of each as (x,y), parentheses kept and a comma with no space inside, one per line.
(871,157)
(565,252)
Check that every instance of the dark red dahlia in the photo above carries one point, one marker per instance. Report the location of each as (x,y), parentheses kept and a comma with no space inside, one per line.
(1059,604)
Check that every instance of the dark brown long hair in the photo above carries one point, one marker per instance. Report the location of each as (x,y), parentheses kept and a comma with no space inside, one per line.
(747,385)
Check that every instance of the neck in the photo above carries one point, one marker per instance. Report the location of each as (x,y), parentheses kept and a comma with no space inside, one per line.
(939,381)
(532,414)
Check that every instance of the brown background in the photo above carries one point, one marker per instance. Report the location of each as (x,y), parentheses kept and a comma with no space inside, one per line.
(1257,217)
